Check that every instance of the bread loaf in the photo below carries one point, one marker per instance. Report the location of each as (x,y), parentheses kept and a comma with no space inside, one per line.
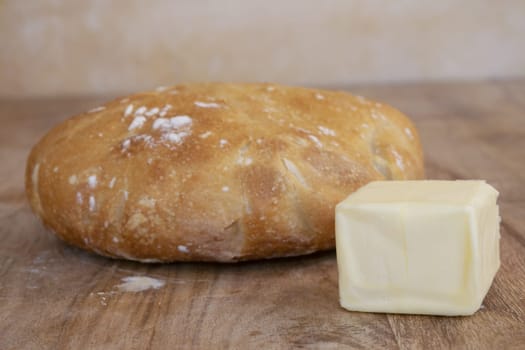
(215,172)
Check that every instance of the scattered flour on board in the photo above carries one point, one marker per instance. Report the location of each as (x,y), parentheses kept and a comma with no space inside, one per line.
(139,284)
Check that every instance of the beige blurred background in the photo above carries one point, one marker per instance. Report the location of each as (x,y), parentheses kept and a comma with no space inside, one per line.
(57,47)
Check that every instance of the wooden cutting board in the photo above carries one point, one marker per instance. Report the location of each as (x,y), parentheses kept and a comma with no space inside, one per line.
(53,296)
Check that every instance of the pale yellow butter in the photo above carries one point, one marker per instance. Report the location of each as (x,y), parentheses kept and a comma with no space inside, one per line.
(418,247)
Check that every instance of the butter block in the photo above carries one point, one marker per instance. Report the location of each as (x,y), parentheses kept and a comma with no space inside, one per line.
(417,247)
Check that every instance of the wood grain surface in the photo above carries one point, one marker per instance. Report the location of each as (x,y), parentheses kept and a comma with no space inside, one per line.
(53,296)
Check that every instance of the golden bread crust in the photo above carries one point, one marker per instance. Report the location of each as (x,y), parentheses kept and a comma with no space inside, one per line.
(215,172)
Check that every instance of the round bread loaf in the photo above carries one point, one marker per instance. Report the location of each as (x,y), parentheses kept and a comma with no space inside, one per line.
(215,172)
